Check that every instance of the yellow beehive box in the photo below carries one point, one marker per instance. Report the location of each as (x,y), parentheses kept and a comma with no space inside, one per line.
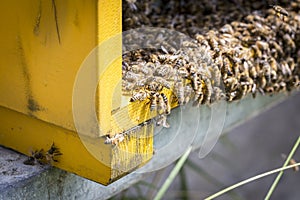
(43,47)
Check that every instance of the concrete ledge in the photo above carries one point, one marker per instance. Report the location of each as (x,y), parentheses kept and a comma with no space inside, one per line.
(12,170)
(19,181)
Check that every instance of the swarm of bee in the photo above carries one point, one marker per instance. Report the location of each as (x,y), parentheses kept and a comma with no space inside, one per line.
(239,48)
(43,158)
(146,78)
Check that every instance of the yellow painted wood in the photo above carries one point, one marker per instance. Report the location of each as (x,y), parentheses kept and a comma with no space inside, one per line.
(43,44)
(41,53)
(23,133)
(132,153)
(106,163)
(109,25)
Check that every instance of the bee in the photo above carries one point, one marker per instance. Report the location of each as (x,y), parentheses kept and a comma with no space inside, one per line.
(127,86)
(203,42)
(276,87)
(179,91)
(273,63)
(274,75)
(252,18)
(154,100)
(154,86)
(236,67)
(114,140)
(131,77)
(36,157)
(153,58)
(291,63)
(164,49)
(285,69)
(174,58)
(219,61)
(232,83)
(249,82)
(281,86)
(217,95)
(167,103)
(141,68)
(162,106)
(150,65)
(189,44)
(266,69)
(226,68)
(291,162)
(287,28)
(52,153)
(253,90)
(195,81)
(140,83)
(164,71)
(244,68)
(262,82)
(125,65)
(257,51)
(277,47)
(131,21)
(163,82)
(227,28)
(263,46)
(132,5)
(192,68)
(199,96)
(40,157)
(289,42)
(208,90)
(240,92)
(296,81)
(281,12)
(179,63)
(217,75)
(247,40)
(162,121)
(140,95)
(135,68)
(231,96)
(269,89)
(213,43)
(183,72)
(187,93)
(163,57)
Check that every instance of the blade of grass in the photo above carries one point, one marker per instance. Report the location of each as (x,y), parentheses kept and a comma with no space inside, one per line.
(183,185)
(173,174)
(276,181)
(250,180)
